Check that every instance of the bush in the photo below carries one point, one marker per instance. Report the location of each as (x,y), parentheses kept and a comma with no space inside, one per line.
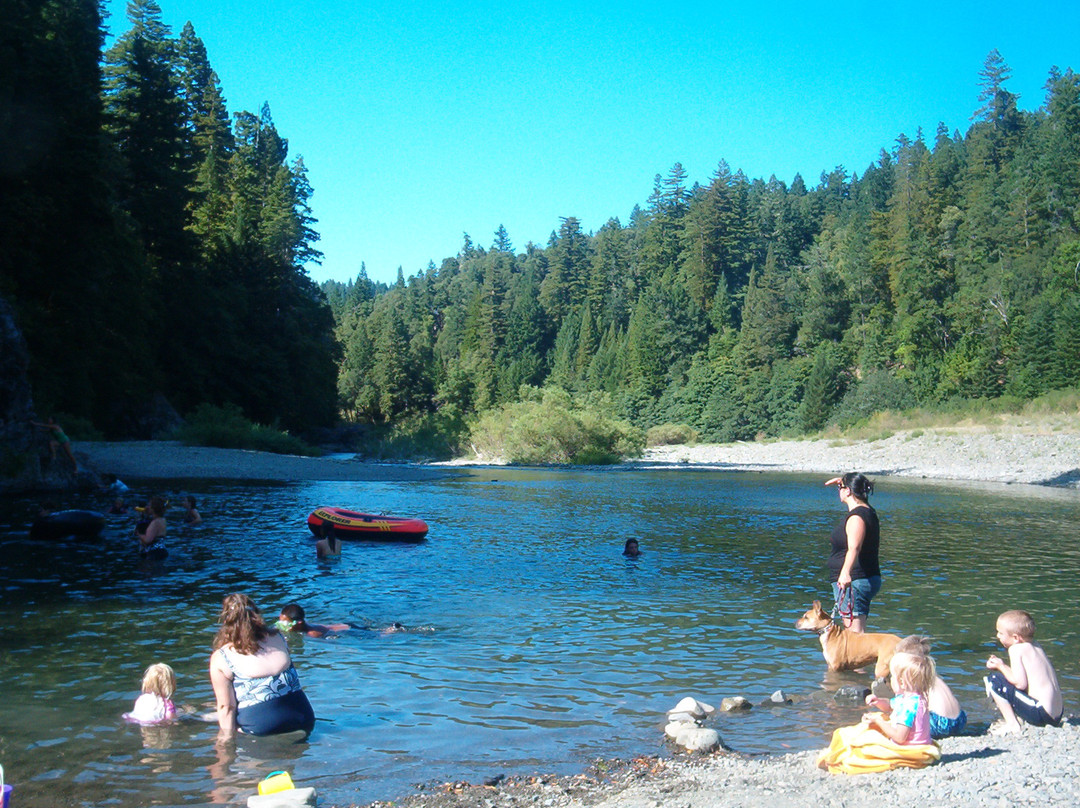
(878,392)
(556,430)
(670,435)
(438,435)
(227,428)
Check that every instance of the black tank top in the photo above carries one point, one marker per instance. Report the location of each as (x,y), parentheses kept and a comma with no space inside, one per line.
(866,565)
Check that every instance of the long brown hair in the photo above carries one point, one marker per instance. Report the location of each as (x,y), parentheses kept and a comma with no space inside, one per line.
(242,625)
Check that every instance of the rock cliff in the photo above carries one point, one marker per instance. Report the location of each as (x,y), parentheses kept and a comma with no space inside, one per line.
(24,453)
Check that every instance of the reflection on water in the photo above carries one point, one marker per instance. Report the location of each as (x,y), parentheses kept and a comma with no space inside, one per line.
(533,644)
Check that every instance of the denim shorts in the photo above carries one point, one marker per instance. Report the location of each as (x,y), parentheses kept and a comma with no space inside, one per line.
(863,590)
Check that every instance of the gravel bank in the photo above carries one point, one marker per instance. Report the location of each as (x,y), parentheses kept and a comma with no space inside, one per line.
(1032,454)
(163,460)
(1035,768)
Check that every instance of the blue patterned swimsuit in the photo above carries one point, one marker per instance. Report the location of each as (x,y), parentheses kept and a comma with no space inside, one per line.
(268,705)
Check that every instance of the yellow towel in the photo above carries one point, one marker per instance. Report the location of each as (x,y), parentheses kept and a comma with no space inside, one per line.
(859,749)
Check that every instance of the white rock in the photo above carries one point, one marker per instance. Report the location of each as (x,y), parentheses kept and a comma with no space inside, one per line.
(700,739)
(291,798)
(675,728)
(692,707)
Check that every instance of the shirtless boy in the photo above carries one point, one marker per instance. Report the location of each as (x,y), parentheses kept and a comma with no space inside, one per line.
(1026,688)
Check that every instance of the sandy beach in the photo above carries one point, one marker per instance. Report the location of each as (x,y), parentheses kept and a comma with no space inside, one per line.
(1035,768)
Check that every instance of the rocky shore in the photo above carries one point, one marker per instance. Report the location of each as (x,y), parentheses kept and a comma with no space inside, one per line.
(166,460)
(1034,768)
(1045,452)
(1041,453)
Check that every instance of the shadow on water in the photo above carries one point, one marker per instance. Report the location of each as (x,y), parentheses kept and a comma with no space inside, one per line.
(532,643)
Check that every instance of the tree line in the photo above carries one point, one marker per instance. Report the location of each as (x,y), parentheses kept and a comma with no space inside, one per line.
(153,244)
(745,307)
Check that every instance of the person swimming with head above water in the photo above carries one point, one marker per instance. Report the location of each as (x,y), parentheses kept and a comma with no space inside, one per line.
(292,620)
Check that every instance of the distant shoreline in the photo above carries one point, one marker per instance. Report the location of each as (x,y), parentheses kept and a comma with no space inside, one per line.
(1036,454)
(167,460)
(1030,454)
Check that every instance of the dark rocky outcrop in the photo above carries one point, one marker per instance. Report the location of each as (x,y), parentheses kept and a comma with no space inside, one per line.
(25,463)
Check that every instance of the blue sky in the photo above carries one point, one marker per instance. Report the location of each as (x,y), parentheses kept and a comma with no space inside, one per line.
(421,121)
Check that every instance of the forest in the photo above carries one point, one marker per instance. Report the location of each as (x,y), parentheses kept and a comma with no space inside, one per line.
(156,246)
(946,271)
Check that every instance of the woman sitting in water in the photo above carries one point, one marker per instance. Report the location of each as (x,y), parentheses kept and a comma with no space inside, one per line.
(152,537)
(292,619)
(256,686)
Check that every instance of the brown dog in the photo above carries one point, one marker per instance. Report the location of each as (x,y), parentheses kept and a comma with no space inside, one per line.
(847,650)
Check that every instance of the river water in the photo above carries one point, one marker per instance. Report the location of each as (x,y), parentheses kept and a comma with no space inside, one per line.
(532,644)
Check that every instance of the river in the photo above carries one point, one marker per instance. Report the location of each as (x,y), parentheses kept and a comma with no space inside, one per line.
(532,644)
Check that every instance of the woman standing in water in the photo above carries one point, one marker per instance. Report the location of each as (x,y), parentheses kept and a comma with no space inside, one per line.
(256,686)
(853,562)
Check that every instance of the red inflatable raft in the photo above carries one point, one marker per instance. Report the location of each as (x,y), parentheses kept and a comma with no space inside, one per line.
(354,525)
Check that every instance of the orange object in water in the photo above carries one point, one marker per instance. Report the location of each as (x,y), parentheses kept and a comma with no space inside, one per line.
(367,526)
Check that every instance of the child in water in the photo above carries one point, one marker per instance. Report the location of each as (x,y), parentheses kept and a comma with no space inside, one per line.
(155,703)
(292,619)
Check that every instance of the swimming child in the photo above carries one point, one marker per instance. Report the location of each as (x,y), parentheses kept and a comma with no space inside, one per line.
(905,718)
(191,516)
(292,619)
(155,703)
(946,716)
(630,549)
(1026,689)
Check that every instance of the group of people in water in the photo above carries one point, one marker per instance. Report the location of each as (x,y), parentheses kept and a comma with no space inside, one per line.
(151,528)
(257,689)
(1024,689)
(256,686)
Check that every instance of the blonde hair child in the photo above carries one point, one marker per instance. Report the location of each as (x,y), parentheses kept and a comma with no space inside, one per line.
(905,718)
(946,715)
(155,703)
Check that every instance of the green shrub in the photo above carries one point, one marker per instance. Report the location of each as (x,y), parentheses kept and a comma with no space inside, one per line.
(877,392)
(440,435)
(556,430)
(670,435)
(227,428)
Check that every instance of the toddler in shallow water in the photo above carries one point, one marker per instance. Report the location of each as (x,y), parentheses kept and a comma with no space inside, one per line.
(155,703)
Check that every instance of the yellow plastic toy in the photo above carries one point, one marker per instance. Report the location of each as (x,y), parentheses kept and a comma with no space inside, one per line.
(275,782)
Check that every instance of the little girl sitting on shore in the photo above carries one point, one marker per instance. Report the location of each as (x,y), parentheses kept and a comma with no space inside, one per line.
(155,703)
(897,736)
